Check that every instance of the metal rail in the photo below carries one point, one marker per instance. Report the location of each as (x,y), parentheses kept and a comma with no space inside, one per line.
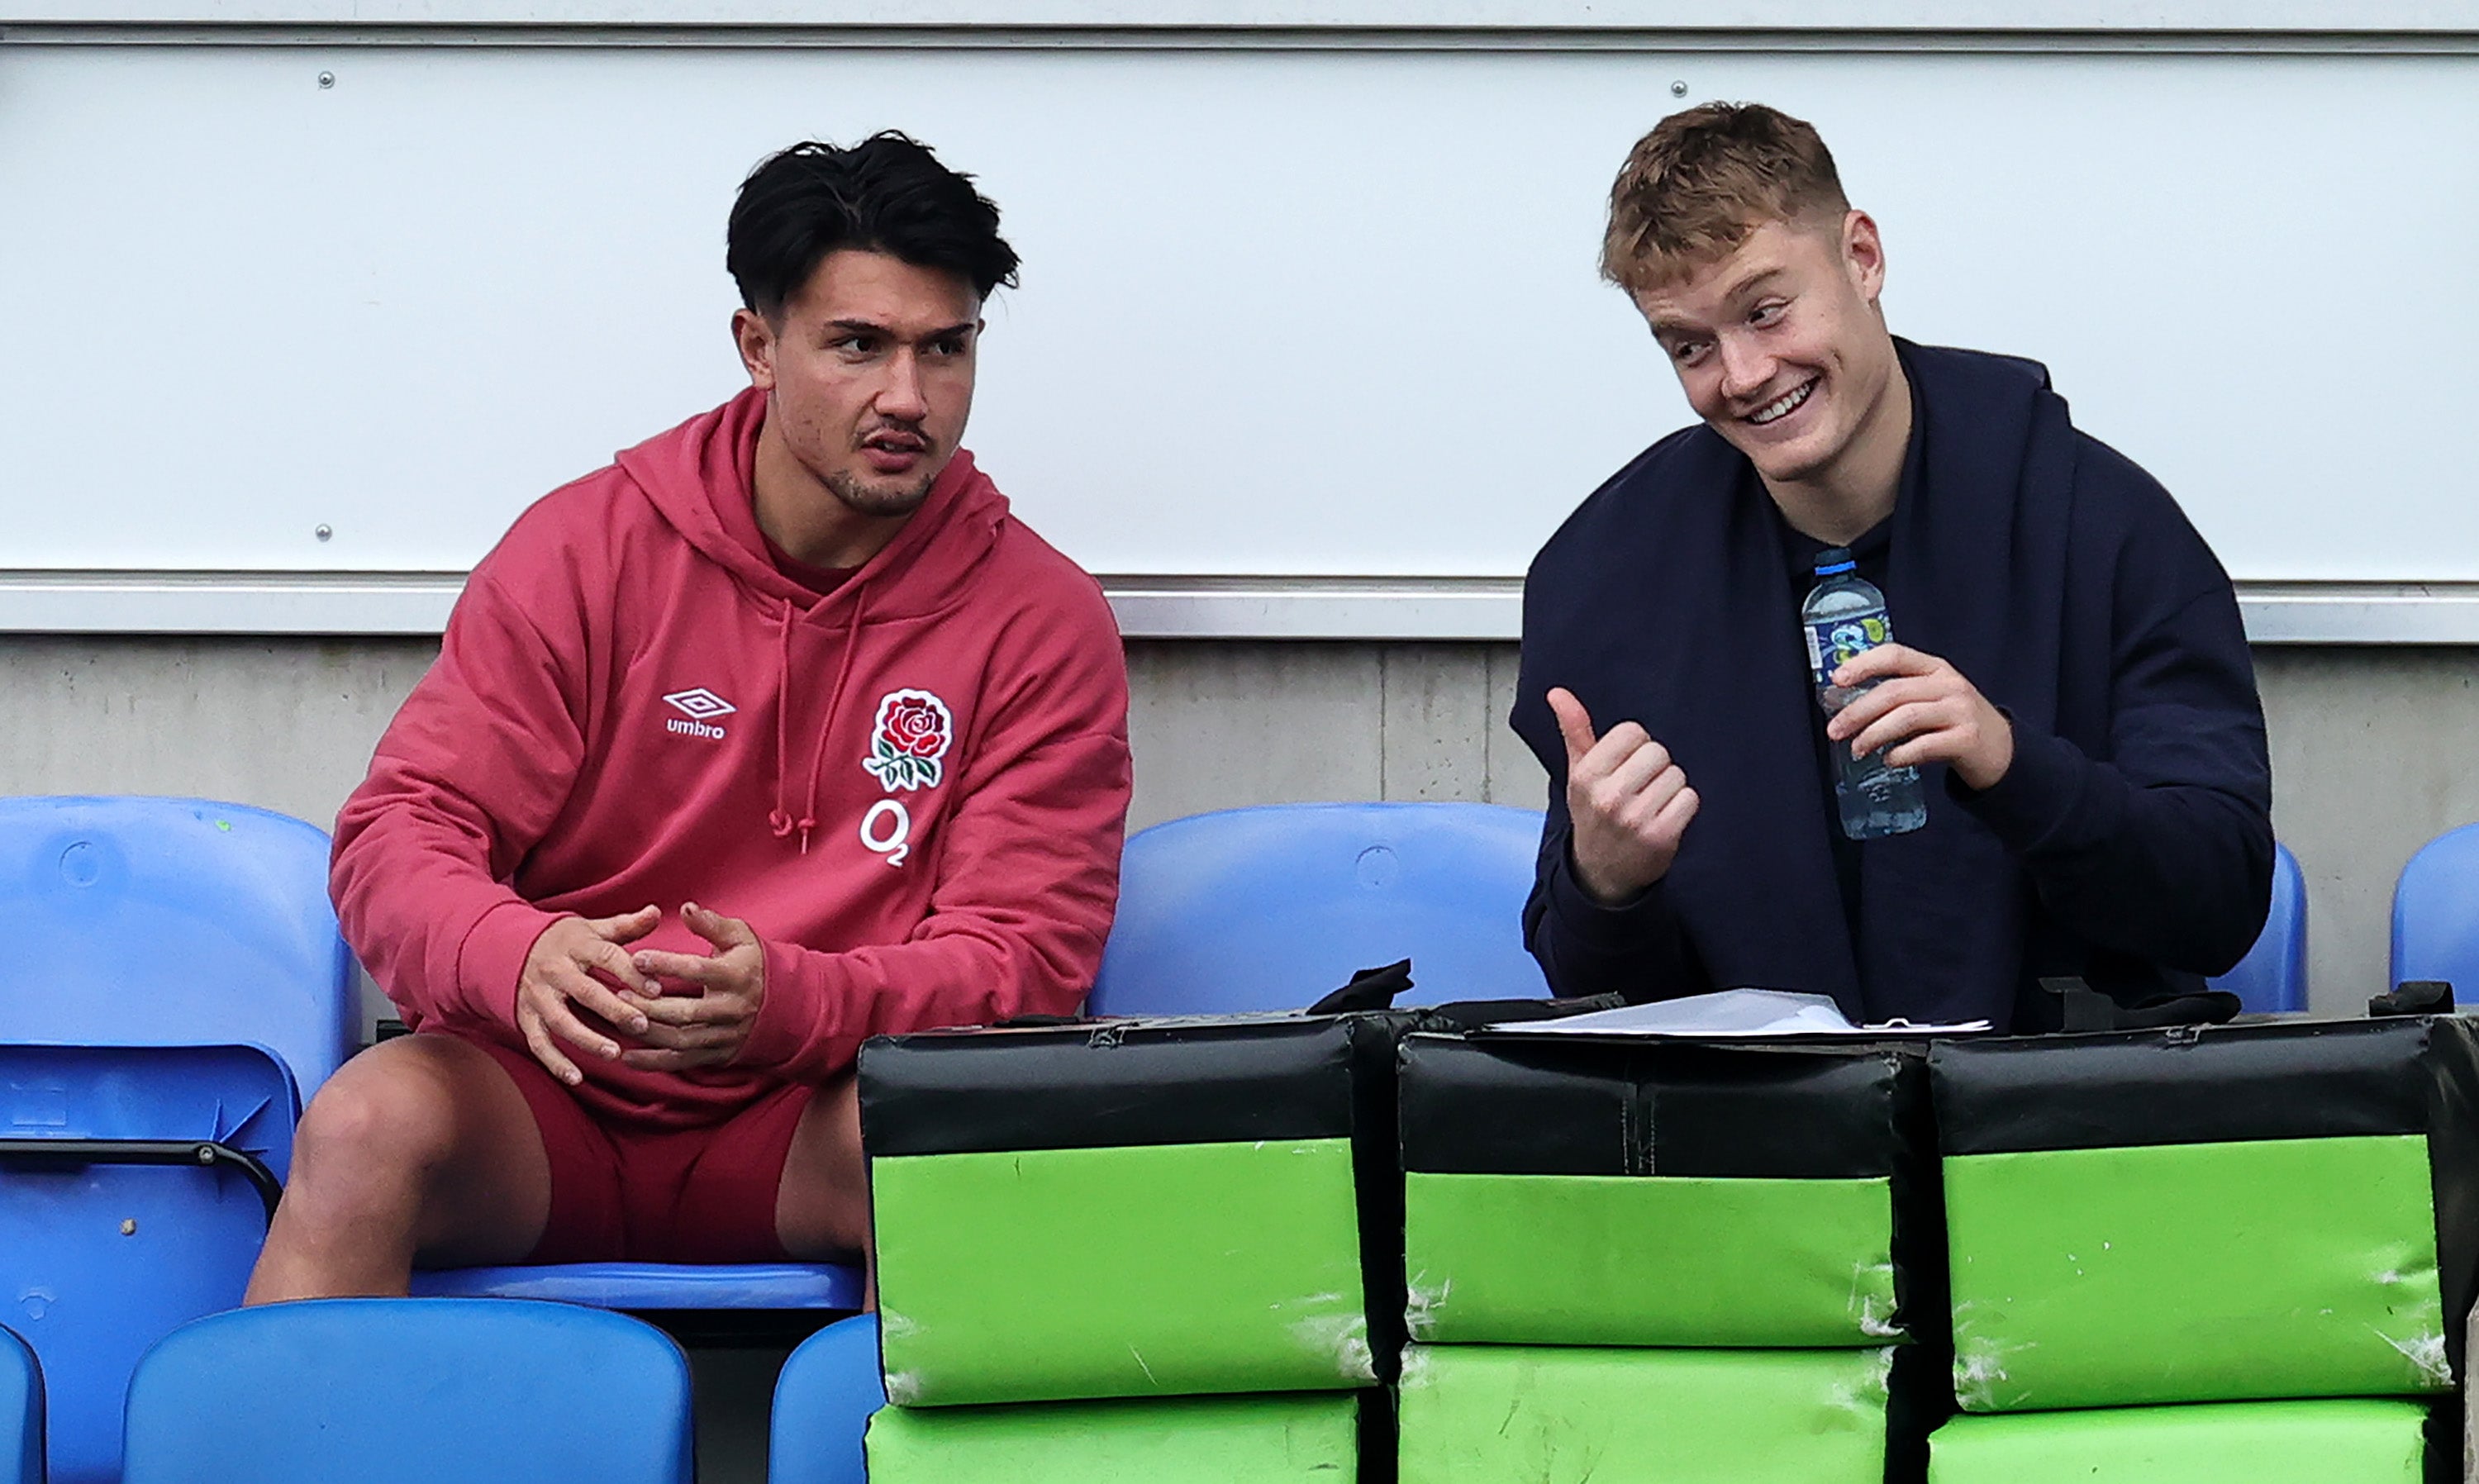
(203,1154)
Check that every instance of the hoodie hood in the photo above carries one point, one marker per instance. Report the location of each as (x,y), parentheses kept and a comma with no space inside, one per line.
(700,478)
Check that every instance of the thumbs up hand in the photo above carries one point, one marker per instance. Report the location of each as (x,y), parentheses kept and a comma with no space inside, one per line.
(1629,802)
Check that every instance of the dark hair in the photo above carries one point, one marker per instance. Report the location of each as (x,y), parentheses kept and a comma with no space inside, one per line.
(887,193)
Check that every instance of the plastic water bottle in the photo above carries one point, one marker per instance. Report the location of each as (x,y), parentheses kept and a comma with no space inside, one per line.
(1844,616)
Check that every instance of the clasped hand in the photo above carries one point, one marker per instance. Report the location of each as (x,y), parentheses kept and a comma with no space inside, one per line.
(584,964)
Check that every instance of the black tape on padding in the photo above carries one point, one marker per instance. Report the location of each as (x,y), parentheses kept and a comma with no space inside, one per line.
(1539,1105)
(1107,1085)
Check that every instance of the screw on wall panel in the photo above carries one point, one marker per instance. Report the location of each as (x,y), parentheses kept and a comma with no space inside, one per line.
(1676,89)
(129,1228)
(326,79)
(327,532)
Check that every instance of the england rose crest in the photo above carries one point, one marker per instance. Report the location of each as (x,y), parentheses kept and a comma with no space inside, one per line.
(913,734)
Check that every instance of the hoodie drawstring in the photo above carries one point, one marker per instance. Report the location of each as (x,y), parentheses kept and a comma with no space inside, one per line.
(781,819)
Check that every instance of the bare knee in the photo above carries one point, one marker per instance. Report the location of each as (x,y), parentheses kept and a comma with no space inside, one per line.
(388,1119)
(418,1147)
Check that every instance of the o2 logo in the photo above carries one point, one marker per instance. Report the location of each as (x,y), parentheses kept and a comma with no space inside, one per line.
(887,832)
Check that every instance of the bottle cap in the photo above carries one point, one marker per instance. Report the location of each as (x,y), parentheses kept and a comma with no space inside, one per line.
(1833,560)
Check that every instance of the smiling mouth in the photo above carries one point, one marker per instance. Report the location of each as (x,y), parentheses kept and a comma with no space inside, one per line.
(1784,405)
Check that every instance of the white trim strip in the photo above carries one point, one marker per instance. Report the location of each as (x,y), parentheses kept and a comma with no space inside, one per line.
(2452,40)
(1368,608)
(2235,17)
(1316,608)
(205,603)
(2361,612)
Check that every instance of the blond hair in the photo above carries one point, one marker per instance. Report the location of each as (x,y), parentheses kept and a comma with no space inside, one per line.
(1693,189)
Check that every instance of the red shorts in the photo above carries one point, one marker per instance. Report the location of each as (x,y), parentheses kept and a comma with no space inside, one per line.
(634,1195)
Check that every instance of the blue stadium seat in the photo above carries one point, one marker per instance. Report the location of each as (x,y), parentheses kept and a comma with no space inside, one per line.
(172,922)
(149,921)
(135,1189)
(2436,914)
(1268,908)
(2273,974)
(176,976)
(21,1412)
(824,1400)
(396,1391)
(643,1288)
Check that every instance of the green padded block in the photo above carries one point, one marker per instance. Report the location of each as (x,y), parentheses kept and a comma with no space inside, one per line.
(1206,1439)
(2227,1442)
(1523,1415)
(2195,1272)
(1623,1260)
(1158,1270)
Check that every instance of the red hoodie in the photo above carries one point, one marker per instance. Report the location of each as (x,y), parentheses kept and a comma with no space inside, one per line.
(913,788)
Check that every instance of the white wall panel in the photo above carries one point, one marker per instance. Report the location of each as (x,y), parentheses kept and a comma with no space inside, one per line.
(1311,313)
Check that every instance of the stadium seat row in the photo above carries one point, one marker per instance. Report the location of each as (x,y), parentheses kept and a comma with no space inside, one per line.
(173,923)
(399,1390)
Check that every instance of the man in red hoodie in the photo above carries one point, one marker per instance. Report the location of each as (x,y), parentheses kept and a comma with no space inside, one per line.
(778,733)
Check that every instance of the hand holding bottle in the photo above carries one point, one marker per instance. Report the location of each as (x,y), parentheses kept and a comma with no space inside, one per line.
(1922,710)
(1628,800)
(1843,619)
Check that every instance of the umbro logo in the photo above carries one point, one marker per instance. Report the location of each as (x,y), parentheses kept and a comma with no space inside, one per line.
(700,704)
(697,705)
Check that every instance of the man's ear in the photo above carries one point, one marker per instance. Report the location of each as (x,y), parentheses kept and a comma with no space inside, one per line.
(1863,254)
(754,339)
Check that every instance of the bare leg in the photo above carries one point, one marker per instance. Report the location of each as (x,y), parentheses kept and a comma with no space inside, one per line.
(822,1208)
(418,1147)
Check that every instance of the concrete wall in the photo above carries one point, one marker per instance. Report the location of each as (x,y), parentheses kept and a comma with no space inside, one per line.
(2368,744)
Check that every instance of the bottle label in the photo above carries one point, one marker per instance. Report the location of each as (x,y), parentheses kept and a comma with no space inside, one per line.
(1835,642)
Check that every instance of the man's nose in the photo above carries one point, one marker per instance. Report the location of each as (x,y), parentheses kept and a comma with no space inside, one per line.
(902,399)
(1745,366)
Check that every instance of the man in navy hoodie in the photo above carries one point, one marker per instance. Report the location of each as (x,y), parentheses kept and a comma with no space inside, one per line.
(2072,681)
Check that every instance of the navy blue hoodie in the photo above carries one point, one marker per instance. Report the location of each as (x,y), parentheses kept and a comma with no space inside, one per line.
(2128,844)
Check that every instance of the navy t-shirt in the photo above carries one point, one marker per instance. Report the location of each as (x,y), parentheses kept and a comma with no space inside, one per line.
(1868,554)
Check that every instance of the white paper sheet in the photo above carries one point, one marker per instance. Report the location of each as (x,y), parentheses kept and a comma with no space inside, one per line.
(1732,1014)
